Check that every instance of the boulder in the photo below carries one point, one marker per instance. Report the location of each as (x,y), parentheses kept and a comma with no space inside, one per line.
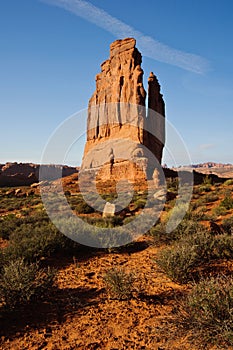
(109,210)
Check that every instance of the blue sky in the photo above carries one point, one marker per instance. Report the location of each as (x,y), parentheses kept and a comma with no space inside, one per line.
(49,58)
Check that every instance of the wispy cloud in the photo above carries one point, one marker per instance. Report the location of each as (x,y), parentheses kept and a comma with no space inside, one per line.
(206,146)
(149,46)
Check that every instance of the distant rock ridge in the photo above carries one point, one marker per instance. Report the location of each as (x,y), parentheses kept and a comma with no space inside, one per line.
(212,165)
(23,174)
(117,111)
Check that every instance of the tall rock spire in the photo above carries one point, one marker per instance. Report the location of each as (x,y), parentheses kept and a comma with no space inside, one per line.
(154,134)
(120,81)
(155,98)
(116,111)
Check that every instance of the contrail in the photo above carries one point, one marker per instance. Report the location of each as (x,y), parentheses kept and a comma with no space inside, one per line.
(150,47)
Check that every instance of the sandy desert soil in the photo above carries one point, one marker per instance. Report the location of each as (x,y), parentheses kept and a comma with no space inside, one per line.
(79,313)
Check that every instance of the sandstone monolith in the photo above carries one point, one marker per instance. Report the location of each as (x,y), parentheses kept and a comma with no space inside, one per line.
(125,138)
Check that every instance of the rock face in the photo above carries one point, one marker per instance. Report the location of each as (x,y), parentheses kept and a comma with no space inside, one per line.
(121,131)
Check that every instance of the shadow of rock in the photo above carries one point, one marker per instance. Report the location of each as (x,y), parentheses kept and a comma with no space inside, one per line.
(59,304)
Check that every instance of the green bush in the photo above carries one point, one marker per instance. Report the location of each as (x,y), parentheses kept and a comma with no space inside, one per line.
(208,311)
(1,259)
(84,208)
(220,210)
(227,202)
(7,225)
(210,197)
(186,227)
(196,190)
(228,182)
(198,203)
(33,242)
(176,215)
(120,284)
(140,203)
(228,225)
(223,247)
(172,184)
(10,223)
(177,263)
(180,261)
(207,180)
(109,197)
(21,283)
(107,222)
(189,225)
(205,188)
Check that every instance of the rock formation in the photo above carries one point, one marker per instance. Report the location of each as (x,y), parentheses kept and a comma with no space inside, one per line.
(121,131)
(25,174)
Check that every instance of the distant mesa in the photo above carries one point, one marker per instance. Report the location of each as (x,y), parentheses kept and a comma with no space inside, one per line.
(212,165)
(119,121)
(25,174)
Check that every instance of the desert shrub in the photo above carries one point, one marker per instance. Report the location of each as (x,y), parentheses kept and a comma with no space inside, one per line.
(10,223)
(227,225)
(198,203)
(7,225)
(116,220)
(99,205)
(220,210)
(128,219)
(177,263)
(207,180)
(210,197)
(1,260)
(12,204)
(140,203)
(109,197)
(32,243)
(228,182)
(195,196)
(172,184)
(195,215)
(120,284)
(223,247)
(20,283)
(208,311)
(205,188)
(180,261)
(107,222)
(196,189)
(78,204)
(67,193)
(186,227)
(227,201)
(176,214)
(159,233)
(209,216)
(84,208)
(36,219)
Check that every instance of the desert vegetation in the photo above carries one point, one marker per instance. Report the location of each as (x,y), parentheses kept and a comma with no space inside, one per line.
(178,283)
